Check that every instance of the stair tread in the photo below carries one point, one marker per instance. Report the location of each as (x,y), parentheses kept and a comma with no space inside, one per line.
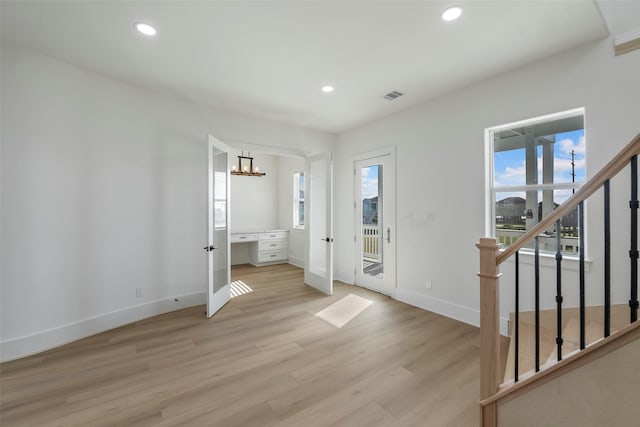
(594,331)
(526,355)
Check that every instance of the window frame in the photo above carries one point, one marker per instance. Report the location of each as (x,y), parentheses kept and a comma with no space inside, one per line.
(491,190)
(297,200)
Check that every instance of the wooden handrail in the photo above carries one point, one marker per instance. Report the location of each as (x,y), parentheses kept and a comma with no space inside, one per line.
(607,172)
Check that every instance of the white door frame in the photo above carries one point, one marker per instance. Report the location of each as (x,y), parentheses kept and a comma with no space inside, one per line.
(323,283)
(215,300)
(390,220)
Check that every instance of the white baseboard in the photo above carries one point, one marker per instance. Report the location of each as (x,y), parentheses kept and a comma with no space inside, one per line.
(41,341)
(462,313)
(296,262)
(343,280)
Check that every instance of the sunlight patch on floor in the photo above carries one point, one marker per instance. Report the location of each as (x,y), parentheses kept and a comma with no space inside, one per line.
(341,312)
(239,288)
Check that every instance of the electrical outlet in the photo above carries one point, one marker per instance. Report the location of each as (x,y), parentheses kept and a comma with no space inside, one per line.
(428,285)
(139,293)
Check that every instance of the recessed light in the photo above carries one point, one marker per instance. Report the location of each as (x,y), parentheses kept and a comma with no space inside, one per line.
(452,13)
(327,89)
(145,29)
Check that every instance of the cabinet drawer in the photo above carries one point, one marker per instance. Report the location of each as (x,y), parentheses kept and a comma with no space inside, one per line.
(246,237)
(272,256)
(272,245)
(275,235)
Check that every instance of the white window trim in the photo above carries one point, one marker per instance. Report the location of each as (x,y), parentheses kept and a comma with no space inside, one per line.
(491,190)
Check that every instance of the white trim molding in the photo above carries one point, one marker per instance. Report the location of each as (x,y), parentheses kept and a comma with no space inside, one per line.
(468,315)
(31,344)
(296,262)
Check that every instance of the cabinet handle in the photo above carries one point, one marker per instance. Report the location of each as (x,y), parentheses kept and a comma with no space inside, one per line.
(273,244)
(243,237)
(272,256)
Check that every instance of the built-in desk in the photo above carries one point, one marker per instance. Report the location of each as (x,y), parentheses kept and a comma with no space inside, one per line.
(266,246)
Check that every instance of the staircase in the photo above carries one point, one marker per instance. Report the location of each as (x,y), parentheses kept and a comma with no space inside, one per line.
(570,334)
(554,354)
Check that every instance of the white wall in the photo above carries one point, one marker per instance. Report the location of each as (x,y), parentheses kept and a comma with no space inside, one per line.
(288,166)
(103,191)
(254,200)
(441,178)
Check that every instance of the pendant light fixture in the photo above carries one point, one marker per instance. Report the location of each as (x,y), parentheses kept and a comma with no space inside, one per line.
(246,170)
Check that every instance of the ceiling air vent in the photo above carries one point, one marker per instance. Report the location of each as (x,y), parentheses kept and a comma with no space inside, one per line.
(393,95)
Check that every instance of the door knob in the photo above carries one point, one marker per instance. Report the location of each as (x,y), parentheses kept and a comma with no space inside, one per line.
(209,248)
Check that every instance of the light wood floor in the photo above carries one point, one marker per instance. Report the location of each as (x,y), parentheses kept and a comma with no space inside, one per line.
(264,360)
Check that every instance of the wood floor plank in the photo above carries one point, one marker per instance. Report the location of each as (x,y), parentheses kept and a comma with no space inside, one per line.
(370,415)
(265,359)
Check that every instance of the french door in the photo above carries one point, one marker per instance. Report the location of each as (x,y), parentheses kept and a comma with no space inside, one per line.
(375,222)
(318,265)
(218,249)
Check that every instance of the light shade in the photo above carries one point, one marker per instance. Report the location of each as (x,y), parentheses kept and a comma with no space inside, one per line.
(452,13)
(327,88)
(145,29)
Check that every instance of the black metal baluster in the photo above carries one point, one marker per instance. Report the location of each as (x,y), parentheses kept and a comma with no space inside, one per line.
(633,252)
(607,260)
(537,298)
(582,297)
(559,340)
(517,319)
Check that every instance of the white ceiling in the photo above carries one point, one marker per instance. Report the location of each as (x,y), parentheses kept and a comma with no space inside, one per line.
(269,59)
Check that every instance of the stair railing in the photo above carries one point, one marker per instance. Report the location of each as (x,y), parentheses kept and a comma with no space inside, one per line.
(491,257)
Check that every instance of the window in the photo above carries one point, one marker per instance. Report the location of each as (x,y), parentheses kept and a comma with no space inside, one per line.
(298,200)
(535,166)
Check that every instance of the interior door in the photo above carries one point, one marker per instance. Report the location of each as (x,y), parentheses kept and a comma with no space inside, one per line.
(318,265)
(218,249)
(375,237)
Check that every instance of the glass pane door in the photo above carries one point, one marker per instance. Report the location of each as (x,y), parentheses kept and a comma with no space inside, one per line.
(318,267)
(219,289)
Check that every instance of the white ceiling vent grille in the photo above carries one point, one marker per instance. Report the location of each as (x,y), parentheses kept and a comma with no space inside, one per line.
(393,95)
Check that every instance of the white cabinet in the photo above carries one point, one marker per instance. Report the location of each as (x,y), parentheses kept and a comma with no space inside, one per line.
(272,248)
(244,237)
(265,246)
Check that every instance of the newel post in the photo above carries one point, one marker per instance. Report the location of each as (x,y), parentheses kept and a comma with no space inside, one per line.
(489,327)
